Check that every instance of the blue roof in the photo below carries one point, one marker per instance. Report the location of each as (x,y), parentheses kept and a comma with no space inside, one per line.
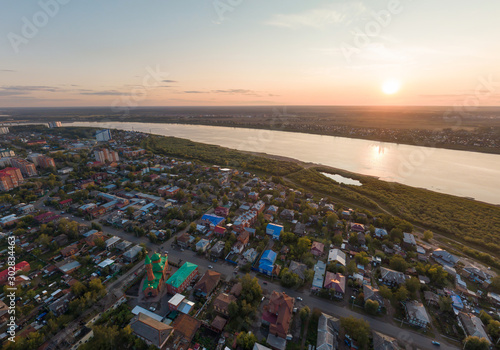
(457,302)
(266,262)
(276,229)
(269,256)
(214,219)
(380,231)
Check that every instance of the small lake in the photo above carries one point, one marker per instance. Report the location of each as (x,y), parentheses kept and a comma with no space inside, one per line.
(343,180)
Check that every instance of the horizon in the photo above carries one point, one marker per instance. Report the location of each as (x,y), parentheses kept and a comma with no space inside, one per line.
(239,53)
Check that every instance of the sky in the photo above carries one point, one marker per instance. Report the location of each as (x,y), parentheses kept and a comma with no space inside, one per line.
(248,52)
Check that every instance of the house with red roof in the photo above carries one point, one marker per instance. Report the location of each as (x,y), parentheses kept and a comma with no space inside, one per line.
(23,266)
(278,314)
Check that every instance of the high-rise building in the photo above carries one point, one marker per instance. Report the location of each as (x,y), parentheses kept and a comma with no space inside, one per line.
(27,169)
(10,178)
(106,155)
(55,125)
(103,135)
(4,130)
(41,160)
(7,153)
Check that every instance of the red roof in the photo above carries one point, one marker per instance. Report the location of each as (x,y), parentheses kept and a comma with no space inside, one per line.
(23,265)
(69,200)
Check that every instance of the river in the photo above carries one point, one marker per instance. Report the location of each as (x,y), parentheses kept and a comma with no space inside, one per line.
(460,173)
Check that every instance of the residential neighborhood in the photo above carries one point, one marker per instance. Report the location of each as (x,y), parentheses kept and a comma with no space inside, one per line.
(185,255)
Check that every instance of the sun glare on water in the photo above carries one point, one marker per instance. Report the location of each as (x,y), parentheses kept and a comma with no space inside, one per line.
(390,87)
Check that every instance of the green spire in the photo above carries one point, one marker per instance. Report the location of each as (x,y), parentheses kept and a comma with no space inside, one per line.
(147,261)
(155,257)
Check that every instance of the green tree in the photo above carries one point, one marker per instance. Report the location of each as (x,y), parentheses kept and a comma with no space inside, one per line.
(358,329)
(493,329)
(475,343)
(401,294)
(412,284)
(445,304)
(304,313)
(251,289)
(385,292)
(398,263)
(245,340)
(428,235)
(371,306)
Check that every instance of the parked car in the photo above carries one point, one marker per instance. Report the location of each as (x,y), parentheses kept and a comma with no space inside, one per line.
(299,298)
(436,343)
(210,267)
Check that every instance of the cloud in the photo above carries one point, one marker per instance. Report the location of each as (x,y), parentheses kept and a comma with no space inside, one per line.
(319,17)
(193,92)
(20,90)
(235,92)
(103,93)
(169,81)
(8,70)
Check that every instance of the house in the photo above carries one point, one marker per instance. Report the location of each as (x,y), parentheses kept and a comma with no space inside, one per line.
(23,266)
(371,293)
(132,254)
(175,302)
(218,324)
(222,211)
(258,346)
(178,282)
(244,238)
(150,330)
(112,242)
(317,249)
(298,268)
(409,240)
(416,314)
(266,263)
(274,230)
(300,229)
(444,258)
(221,303)
(385,342)
(335,282)
(337,256)
(472,326)
(156,272)
(250,255)
(287,214)
(361,238)
(207,283)
(278,314)
(184,240)
(476,275)
(212,220)
(69,250)
(328,333)
(220,231)
(259,207)
(319,275)
(185,328)
(392,278)
(202,245)
(217,250)
(380,233)
(431,298)
(357,227)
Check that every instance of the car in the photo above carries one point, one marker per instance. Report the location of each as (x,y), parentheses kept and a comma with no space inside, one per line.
(299,298)
(166,251)
(210,267)
(265,282)
(436,343)
(261,300)
(152,308)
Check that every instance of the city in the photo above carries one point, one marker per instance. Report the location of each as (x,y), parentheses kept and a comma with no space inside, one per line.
(181,254)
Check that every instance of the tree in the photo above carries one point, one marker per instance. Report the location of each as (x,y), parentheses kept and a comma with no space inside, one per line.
(445,304)
(398,263)
(304,313)
(385,292)
(412,284)
(246,340)
(358,329)
(401,294)
(233,309)
(493,329)
(251,289)
(476,343)
(352,268)
(428,235)
(371,306)
(495,284)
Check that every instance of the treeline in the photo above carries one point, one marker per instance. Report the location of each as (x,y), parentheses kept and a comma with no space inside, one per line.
(471,221)
(182,148)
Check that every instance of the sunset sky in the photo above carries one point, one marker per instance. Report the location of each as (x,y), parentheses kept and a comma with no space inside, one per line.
(248,52)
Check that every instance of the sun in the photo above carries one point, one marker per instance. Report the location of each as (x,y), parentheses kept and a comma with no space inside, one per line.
(390,87)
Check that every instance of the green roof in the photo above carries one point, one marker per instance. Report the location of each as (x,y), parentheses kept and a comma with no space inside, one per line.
(180,275)
(155,257)
(147,261)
